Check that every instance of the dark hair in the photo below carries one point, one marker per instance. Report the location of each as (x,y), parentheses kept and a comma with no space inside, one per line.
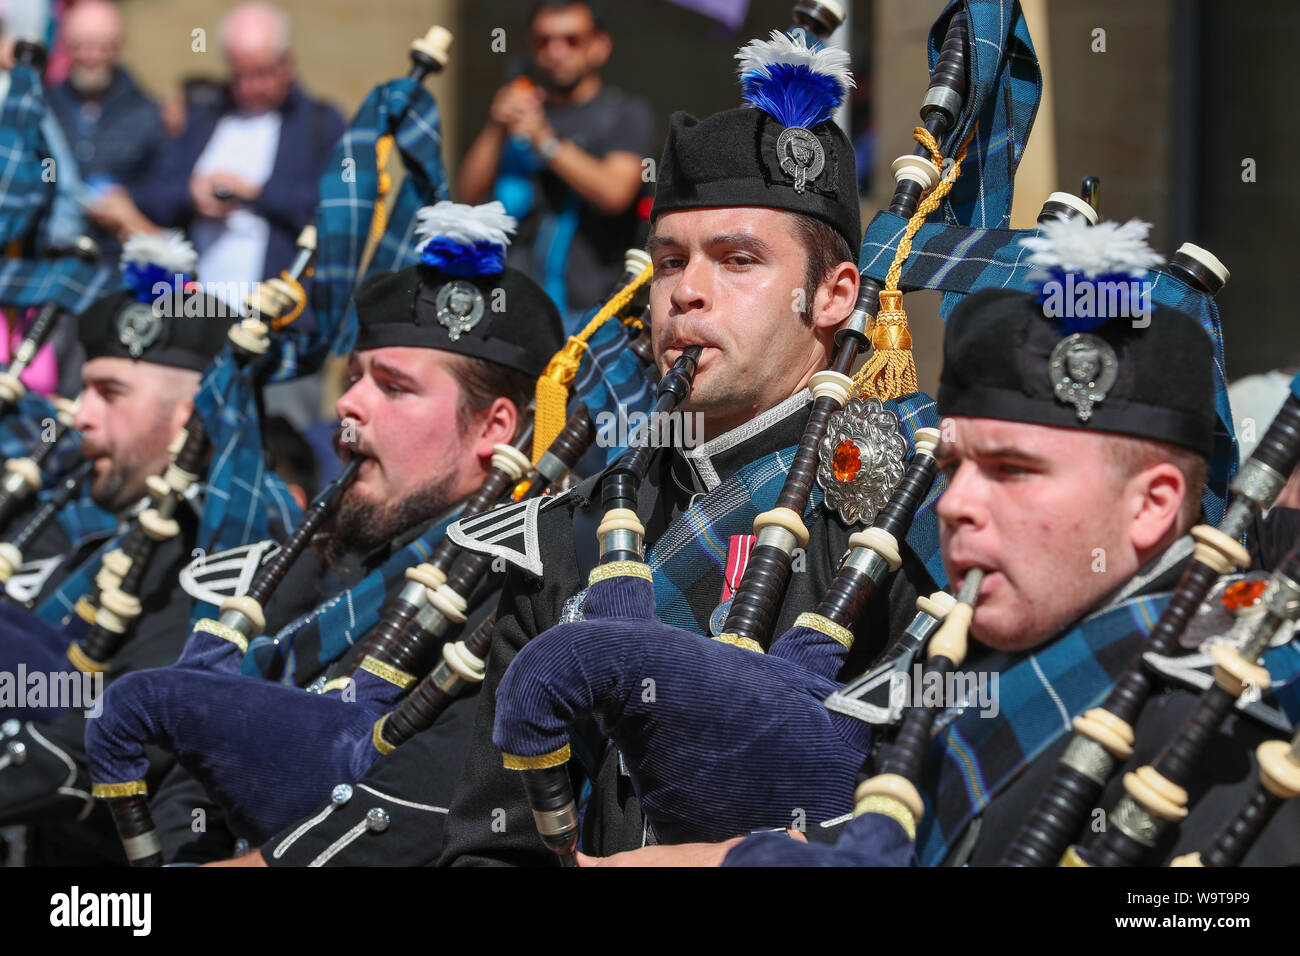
(825,249)
(289,454)
(1130,455)
(481,382)
(593,7)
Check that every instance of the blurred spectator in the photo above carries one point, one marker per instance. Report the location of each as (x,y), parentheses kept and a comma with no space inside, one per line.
(564,153)
(113,129)
(241,176)
(194,93)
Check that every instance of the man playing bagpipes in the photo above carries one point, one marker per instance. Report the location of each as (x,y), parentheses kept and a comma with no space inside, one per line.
(1075,450)
(142,371)
(755,219)
(444,364)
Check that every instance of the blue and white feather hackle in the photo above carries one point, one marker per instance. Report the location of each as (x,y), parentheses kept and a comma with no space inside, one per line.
(1084,262)
(463,240)
(795,85)
(149,259)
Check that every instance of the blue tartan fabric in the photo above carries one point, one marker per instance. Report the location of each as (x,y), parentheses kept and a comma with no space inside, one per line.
(68,281)
(610,377)
(696,543)
(671,701)
(977,754)
(348,189)
(243,500)
(959,260)
(25,190)
(347,616)
(1005,87)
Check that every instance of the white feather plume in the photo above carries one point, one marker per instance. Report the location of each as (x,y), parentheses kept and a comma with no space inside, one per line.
(1072,245)
(170,250)
(465,224)
(757,55)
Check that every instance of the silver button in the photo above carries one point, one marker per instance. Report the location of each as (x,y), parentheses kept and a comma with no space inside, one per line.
(242,847)
(17,752)
(340,794)
(376,820)
(10,728)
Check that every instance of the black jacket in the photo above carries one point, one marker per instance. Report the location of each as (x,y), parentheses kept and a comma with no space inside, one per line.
(491,822)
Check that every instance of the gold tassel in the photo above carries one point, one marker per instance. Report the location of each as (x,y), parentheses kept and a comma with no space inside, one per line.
(379,217)
(553,384)
(890,372)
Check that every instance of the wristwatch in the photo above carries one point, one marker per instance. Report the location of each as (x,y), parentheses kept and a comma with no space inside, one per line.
(549,147)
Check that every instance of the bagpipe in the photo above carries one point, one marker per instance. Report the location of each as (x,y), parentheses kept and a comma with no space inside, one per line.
(673,702)
(104,614)
(1103,737)
(23,476)
(1279,781)
(888,804)
(271,770)
(1157,796)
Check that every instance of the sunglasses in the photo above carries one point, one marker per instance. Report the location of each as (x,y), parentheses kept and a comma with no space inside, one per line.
(572,41)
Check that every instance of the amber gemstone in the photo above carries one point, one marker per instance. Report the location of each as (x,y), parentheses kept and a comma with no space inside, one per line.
(847,461)
(1243,594)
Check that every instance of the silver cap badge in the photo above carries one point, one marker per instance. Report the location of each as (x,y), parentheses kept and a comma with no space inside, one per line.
(1082,368)
(801,155)
(138,328)
(460,307)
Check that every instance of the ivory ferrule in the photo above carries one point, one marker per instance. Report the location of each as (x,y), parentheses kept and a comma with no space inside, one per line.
(1107,730)
(879,542)
(781,528)
(21,473)
(510,460)
(469,667)
(450,604)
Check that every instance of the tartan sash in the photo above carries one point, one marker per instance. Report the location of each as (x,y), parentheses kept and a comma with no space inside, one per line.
(696,543)
(25,190)
(974,757)
(351,613)
(958,260)
(406,110)
(610,378)
(1005,85)
(58,606)
(67,281)
(242,497)
(971,759)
